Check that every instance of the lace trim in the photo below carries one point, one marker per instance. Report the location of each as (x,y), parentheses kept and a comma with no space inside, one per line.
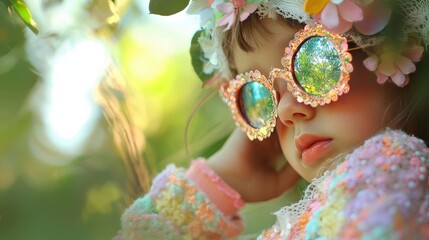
(287,216)
(288,9)
(417,18)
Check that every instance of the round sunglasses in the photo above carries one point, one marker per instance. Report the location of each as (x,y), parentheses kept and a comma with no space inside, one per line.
(317,67)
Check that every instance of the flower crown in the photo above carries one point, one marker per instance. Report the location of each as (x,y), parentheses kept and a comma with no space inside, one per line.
(366,22)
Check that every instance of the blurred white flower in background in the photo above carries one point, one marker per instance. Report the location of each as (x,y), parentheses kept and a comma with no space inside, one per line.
(72,52)
(71,59)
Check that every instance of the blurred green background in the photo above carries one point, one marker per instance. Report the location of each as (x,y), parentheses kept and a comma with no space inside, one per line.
(64,168)
(92,107)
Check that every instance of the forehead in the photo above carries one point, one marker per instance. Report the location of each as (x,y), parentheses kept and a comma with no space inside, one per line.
(269,50)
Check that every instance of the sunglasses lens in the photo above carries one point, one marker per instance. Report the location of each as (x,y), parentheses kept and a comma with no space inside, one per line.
(317,66)
(256,104)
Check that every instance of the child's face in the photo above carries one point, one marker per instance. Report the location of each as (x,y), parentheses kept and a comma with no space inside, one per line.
(310,136)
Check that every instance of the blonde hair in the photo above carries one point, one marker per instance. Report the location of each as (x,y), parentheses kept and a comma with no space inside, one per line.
(247,35)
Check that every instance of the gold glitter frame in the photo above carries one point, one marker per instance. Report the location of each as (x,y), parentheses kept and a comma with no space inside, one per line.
(230,91)
(340,44)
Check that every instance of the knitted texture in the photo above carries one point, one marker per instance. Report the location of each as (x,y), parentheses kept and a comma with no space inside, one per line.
(175,209)
(220,193)
(380,191)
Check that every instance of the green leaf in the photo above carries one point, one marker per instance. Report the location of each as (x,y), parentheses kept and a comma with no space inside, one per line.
(11,38)
(197,57)
(24,13)
(167,7)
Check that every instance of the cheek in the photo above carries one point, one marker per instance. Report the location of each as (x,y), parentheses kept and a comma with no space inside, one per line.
(360,120)
(284,136)
(361,111)
(287,140)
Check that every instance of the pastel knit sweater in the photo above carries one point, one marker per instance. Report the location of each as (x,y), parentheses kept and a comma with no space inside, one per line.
(380,191)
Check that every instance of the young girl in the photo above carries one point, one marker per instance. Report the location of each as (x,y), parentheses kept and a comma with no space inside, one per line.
(305,71)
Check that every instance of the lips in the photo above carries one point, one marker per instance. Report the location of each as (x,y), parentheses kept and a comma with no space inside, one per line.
(312,147)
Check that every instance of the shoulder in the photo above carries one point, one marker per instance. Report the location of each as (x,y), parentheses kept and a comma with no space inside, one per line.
(381,184)
(389,169)
(391,166)
(391,155)
(390,151)
(391,144)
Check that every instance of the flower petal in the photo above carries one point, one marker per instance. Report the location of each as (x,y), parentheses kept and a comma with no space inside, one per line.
(405,65)
(375,18)
(381,78)
(231,22)
(349,11)
(228,19)
(244,15)
(208,68)
(342,27)
(248,9)
(207,18)
(224,20)
(399,79)
(407,79)
(251,7)
(414,53)
(225,8)
(371,63)
(329,16)
(195,7)
(314,6)
(386,66)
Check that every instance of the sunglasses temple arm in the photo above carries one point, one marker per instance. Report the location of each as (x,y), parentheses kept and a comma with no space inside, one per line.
(223,90)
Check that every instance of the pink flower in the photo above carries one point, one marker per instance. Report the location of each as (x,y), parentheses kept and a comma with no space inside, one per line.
(395,67)
(338,16)
(376,16)
(231,10)
(197,6)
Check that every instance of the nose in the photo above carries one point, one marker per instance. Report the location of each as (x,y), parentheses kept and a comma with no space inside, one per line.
(290,111)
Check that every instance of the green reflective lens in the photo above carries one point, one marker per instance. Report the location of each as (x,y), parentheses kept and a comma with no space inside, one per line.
(257,104)
(317,66)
